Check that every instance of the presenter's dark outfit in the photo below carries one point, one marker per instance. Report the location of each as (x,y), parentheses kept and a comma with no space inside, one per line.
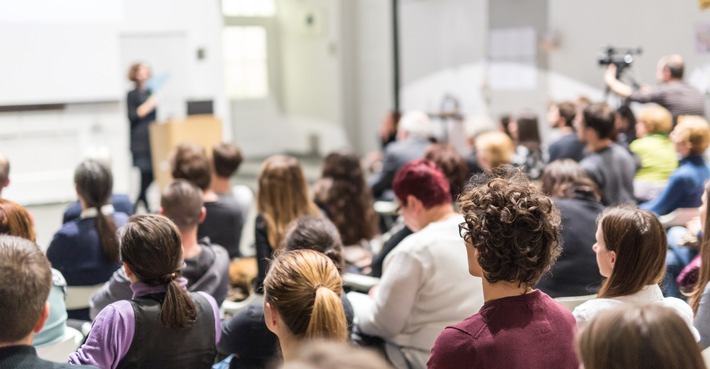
(140,141)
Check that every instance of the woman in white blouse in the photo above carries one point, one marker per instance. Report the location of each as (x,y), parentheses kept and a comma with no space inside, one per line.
(631,253)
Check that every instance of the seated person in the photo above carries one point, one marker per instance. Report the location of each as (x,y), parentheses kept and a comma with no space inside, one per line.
(568,146)
(16,221)
(4,172)
(494,149)
(631,253)
(245,335)
(226,159)
(529,154)
(413,133)
(512,237)
(691,137)
(424,285)
(206,266)
(85,250)
(163,326)
(329,355)
(654,150)
(609,165)
(575,273)
(25,282)
(638,336)
(121,204)
(224,219)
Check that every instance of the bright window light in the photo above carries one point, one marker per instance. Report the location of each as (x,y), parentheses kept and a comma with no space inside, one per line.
(245,59)
(248,8)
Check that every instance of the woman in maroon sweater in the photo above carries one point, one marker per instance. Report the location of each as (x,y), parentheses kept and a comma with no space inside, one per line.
(512,235)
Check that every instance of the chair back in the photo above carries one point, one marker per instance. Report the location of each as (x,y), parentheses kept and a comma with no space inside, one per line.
(59,351)
(78,297)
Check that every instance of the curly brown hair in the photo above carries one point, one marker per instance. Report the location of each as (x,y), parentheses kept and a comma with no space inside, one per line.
(514,227)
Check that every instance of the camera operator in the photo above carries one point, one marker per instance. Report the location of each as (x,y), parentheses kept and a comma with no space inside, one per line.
(672,93)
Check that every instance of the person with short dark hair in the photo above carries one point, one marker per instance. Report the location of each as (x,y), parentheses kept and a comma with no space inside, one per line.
(609,165)
(163,325)
(424,285)
(224,219)
(512,238)
(568,146)
(86,250)
(25,282)
(206,265)
(674,94)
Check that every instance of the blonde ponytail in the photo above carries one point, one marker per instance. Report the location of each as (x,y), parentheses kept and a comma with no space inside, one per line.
(328,317)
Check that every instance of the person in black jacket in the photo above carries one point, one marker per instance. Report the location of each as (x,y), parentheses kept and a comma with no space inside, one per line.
(141,104)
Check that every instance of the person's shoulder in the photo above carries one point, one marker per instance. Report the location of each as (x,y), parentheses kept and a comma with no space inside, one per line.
(587,310)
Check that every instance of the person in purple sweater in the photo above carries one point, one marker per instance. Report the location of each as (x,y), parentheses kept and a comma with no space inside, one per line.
(163,326)
(512,238)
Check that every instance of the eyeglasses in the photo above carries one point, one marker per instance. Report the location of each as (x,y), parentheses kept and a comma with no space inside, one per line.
(465,232)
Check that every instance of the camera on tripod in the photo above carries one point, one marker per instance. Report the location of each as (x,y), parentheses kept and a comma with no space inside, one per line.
(621,57)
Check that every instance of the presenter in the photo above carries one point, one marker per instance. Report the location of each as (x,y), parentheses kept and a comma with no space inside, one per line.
(141,105)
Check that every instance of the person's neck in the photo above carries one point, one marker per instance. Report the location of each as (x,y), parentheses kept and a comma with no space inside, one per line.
(597,145)
(289,347)
(437,213)
(190,246)
(565,130)
(27,341)
(502,289)
(209,195)
(221,186)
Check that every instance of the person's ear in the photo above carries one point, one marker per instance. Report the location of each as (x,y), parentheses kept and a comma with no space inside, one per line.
(414,202)
(42,318)
(161,211)
(203,214)
(612,255)
(271,318)
(129,273)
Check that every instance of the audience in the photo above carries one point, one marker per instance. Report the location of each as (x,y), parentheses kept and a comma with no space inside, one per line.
(424,286)
(528,152)
(512,237)
(282,198)
(224,219)
(86,250)
(645,336)
(631,252)
(413,133)
(654,150)
(342,194)
(685,186)
(206,266)
(451,164)
(25,283)
(699,298)
(575,273)
(245,335)
(226,160)
(163,326)
(302,300)
(567,146)
(609,165)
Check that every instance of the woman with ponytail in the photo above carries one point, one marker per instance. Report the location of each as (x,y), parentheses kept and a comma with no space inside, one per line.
(699,298)
(163,326)
(302,300)
(85,250)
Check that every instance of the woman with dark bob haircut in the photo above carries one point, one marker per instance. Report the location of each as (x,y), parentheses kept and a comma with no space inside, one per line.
(512,237)
(631,254)
(646,336)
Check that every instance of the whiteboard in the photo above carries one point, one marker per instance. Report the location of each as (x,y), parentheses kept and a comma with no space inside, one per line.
(59,51)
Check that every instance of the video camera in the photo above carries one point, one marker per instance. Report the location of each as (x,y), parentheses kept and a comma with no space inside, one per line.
(621,57)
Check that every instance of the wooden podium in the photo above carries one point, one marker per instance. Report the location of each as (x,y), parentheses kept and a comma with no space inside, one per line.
(205,130)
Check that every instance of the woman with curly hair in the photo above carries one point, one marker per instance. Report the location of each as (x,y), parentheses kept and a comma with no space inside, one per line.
(343,195)
(512,238)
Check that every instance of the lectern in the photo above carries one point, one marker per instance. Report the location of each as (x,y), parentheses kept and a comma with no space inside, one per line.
(205,130)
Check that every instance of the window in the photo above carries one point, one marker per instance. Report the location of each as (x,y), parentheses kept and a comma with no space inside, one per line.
(248,8)
(245,58)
